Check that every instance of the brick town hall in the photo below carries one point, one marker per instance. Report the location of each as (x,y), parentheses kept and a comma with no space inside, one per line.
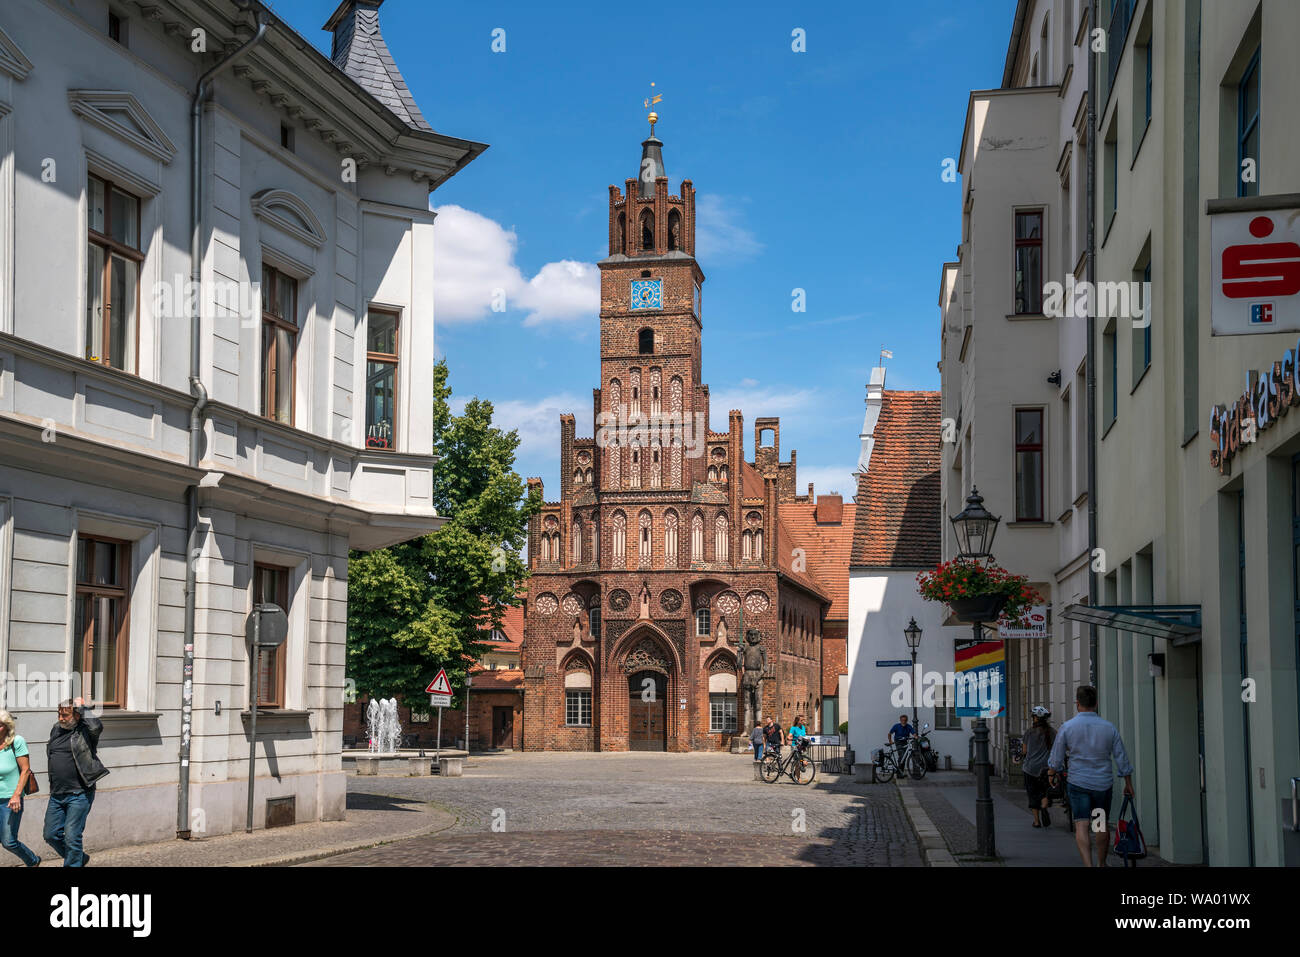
(665,542)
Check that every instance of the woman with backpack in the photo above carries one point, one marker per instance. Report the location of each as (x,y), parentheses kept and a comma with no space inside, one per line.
(15,778)
(1038,746)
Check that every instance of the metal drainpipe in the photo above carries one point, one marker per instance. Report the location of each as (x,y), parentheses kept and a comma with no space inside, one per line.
(192,548)
(1092,357)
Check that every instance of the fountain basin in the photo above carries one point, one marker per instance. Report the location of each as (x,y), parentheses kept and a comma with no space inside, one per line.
(405,762)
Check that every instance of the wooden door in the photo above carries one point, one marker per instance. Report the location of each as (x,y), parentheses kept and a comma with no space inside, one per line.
(647,712)
(503,727)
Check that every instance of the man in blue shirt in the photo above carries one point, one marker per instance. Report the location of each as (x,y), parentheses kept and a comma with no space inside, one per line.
(898,736)
(1090,742)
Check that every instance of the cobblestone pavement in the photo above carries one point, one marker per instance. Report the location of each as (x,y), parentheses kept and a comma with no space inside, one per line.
(938,793)
(644,810)
(372,817)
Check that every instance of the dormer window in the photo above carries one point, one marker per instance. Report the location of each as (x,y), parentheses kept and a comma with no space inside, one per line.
(646,342)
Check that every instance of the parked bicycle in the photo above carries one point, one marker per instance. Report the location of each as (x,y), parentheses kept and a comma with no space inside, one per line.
(888,762)
(797,765)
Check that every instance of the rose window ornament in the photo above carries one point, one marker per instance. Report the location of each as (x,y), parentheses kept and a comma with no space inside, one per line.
(546,604)
(572,604)
(756,602)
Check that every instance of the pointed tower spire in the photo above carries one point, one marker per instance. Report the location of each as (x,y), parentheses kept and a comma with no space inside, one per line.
(359,51)
(652,165)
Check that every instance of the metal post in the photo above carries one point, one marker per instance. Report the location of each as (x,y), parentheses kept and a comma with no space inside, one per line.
(467,714)
(437,751)
(915,719)
(983,793)
(252,708)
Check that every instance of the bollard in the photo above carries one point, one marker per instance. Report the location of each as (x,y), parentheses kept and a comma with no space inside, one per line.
(367,765)
(451,767)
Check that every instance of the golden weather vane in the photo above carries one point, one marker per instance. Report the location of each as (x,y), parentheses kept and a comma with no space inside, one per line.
(653,117)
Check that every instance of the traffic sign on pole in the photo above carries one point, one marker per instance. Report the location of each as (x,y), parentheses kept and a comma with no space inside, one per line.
(440,684)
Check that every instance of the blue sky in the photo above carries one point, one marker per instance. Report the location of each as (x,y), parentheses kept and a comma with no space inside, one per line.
(817,170)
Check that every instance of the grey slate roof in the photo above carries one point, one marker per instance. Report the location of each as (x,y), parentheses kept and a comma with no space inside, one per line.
(652,149)
(360,52)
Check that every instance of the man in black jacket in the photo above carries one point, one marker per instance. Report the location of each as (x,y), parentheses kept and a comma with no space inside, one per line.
(74,768)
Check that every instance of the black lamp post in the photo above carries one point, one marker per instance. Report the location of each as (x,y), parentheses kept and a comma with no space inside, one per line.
(975,527)
(913,635)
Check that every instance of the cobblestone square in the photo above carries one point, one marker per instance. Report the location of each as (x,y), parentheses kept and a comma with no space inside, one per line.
(625,809)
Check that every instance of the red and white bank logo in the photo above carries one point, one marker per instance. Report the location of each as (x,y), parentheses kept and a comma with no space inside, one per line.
(1256,272)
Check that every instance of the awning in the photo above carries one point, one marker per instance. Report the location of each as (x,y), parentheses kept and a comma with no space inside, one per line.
(1180,623)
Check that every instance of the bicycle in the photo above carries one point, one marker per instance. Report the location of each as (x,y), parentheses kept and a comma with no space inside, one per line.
(798,767)
(888,763)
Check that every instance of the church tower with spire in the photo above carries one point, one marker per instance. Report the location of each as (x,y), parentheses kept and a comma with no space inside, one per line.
(665,546)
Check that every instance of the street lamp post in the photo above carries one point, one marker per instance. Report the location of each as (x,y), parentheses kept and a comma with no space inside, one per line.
(913,635)
(975,527)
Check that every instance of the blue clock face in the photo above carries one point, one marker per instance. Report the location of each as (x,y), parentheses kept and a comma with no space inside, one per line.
(647,294)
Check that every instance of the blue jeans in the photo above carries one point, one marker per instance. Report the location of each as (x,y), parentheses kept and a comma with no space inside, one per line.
(65,818)
(1083,802)
(9,821)
(758,752)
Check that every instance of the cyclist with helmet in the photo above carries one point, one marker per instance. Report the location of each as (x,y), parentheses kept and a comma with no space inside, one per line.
(1038,746)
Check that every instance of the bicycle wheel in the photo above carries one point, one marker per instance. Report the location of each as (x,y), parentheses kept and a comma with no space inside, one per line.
(917,763)
(882,773)
(802,769)
(770,768)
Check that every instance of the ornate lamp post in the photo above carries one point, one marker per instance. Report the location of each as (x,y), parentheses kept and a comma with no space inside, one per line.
(975,527)
(913,635)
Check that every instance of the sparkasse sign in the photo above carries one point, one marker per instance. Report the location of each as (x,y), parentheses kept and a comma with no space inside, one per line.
(1267,398)
(1254,271)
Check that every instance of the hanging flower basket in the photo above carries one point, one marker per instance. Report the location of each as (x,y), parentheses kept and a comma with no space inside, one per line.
(976,591)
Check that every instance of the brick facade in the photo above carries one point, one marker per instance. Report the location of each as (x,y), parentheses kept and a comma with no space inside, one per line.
(654,526)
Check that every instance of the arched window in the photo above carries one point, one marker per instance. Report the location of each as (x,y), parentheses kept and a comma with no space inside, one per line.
(656,377)
(697,538)
(758,544)
(620,536)
(546,548)
(586,476)
(634,470)
(645,342)
(647,229)
(595,542)
(674,229)
(720,539)
(576,536)
(620,234)
(646,548)
(577,476)
(675,466)
(722,473)
(655,466)
(746,545)
(713,473)
(670,539)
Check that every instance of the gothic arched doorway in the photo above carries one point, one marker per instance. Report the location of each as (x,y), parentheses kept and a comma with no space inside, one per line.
(647,711)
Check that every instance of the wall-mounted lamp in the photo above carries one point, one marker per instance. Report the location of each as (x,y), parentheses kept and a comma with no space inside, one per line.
(1156,664)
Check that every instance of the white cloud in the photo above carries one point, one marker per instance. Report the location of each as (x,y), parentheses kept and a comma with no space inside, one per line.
(788,403)
(538,422)
(474,268)
(718,230)
(827,480)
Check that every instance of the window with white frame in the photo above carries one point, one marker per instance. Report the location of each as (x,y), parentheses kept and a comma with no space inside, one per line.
(703,622)
(722,713)
(577,709)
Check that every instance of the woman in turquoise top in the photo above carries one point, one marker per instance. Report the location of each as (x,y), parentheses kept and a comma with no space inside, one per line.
(14,770)
(797,730)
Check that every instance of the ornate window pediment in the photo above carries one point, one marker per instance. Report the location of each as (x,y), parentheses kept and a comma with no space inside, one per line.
(12,59)
(289,213)
(119,113)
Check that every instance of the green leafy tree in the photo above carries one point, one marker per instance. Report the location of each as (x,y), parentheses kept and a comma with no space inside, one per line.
(422,605)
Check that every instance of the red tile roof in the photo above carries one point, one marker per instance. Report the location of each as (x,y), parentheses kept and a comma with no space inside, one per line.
(826,545)
(503,679)
(512,627)
(898,522)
